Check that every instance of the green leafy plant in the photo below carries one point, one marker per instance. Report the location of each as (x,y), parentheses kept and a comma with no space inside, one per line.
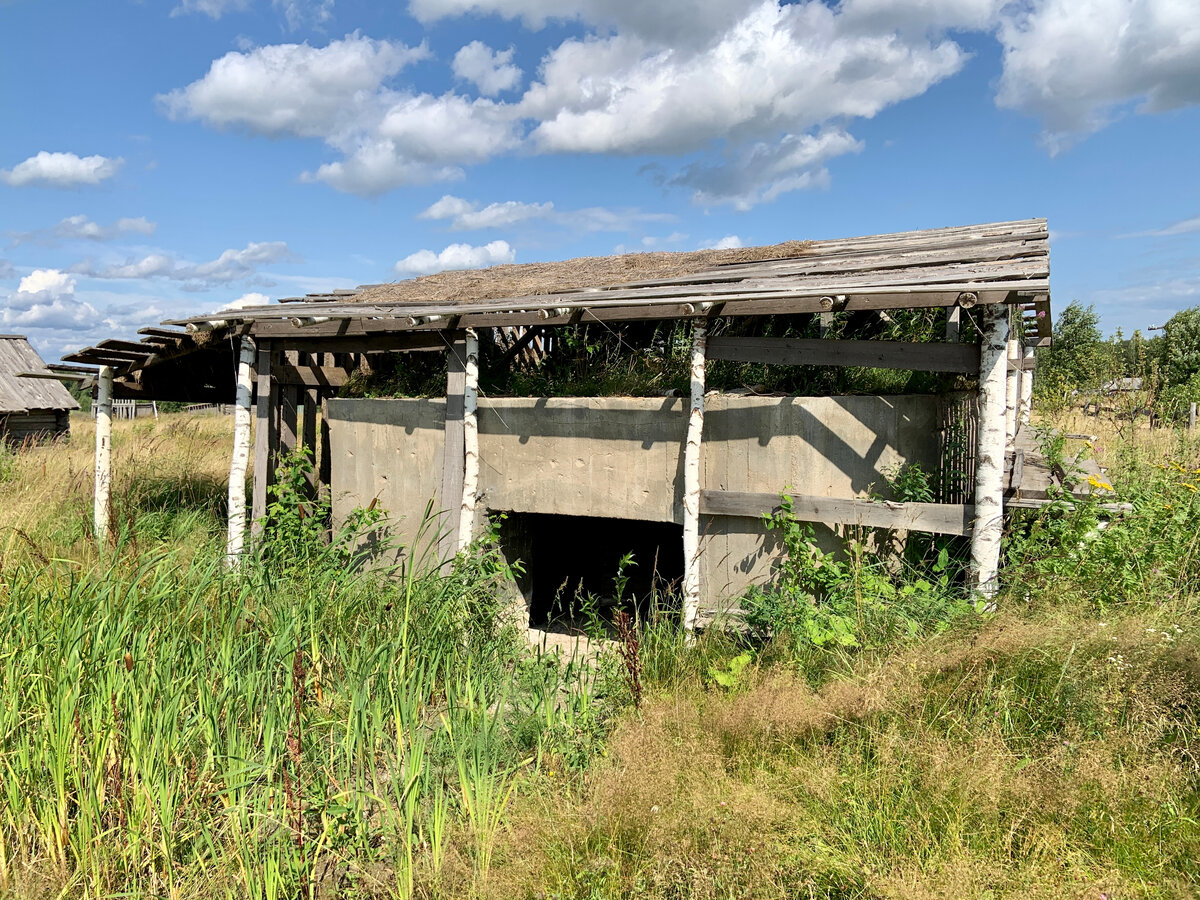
(730,675)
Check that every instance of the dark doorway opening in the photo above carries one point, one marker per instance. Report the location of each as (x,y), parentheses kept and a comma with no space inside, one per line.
(579,571)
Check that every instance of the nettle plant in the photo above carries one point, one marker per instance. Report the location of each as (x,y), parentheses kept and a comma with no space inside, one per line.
(851,599)
(298,523)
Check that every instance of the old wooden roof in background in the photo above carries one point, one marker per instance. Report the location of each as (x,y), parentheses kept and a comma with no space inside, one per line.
(19,394)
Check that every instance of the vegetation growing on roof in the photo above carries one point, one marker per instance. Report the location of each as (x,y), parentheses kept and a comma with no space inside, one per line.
(642,359)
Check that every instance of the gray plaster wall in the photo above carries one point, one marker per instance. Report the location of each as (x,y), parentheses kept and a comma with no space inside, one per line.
(622,458)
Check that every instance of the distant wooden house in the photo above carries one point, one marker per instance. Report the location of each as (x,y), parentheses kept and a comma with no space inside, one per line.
(33,403)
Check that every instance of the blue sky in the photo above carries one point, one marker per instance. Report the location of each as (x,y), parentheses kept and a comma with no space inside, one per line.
(165,157)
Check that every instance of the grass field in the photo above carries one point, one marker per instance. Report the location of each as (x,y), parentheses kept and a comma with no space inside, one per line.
(302,728)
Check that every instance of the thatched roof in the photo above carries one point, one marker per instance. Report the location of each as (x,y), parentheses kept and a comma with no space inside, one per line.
(21,395)
(534,279)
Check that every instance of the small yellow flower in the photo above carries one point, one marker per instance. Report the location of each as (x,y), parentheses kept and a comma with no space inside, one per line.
(1191,487)
(1098,483)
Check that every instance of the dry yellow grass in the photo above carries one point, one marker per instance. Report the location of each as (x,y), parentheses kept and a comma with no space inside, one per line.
(47,506)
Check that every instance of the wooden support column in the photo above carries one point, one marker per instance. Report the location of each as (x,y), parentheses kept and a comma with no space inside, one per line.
(240,459)
(102,505)
(266,437)
(453,456)
(1025,409)
(311,398)
(953,324)
(466,520)
(1012,385)
(691,482)
(289,417)
(989,462)
(324,456)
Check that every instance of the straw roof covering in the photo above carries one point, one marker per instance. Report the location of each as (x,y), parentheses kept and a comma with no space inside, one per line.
(532,279)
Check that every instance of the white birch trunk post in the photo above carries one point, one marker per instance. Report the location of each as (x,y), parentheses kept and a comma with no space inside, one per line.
(691,483)
(104,410)
(240,460)
(1012,387)
(989,461)
(1026,410)
(466,519)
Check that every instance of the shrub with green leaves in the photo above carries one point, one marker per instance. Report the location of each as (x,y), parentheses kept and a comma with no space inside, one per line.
(825,599)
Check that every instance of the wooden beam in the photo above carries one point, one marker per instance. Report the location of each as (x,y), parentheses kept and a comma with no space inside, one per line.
(308,435)
(324,456)
(817,352)
(266,437)
(454,453)
(400,342)
(935,518)
(289,415)
(953,324)
(312,376)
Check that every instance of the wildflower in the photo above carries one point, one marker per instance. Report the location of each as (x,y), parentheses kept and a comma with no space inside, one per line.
(1099,483)
(1191,487)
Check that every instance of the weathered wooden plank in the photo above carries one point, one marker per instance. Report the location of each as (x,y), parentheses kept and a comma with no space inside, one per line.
(266,437)
(324,455)
(312,376)
(819,352)
(308,435)
(936,518)
(454,452)
(289,415)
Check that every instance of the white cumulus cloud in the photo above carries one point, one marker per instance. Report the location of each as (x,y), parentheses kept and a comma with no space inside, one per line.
(456,256)
(466,215)
(45,299)
(1077,64)
(61,170)
(491,71)
(296,13)
(82,228)
(293,89)
(762,172)
(251,299)
(231,265)
(729,242)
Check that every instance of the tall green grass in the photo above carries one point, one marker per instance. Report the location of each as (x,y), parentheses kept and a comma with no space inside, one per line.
(299,726)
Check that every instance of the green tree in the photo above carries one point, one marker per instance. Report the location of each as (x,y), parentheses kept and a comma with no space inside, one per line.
(1079,358)
(1181,346)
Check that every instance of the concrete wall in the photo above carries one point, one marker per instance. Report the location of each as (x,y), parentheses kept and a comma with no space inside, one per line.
(622,458)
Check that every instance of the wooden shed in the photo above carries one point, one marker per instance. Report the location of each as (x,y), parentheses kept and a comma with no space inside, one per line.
(33,403)
(693,473)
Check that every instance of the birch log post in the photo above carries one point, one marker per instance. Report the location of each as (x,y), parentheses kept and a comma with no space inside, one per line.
(691,482)
(101,506)
(1012,386)
(1026,409)
(989,463)
(240,460)
(466,519)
